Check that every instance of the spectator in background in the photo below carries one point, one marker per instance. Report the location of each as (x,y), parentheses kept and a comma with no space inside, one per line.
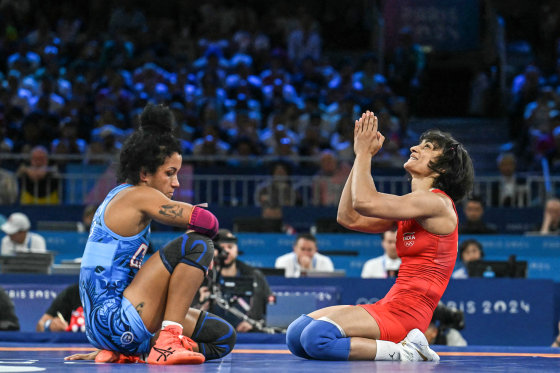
(511,191)
(304,258)
(8,187)
(406,66)
(39,180)
(386,265)
(474,211)
(18,238)
(87,218)
(68,141)
(227,263)
(469,251)
(58,316)
(551,217)
(8,318)
(105,143)
(329,181)
(278,191)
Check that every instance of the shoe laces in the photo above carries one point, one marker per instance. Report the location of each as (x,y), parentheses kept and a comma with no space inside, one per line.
(187,342)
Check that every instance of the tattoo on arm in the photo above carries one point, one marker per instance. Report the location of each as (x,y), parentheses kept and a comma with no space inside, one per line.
(174,211)
(139,308)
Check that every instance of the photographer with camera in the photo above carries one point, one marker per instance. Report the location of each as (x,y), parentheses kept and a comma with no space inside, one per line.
(445,325)
(235,291)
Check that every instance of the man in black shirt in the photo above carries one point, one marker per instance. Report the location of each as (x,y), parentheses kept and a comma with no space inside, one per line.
(8,318)
(226,262)
(474,223)
(59,314)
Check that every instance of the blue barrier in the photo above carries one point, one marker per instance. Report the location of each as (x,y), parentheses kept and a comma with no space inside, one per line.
(261,250)
(507,220)
(516,312)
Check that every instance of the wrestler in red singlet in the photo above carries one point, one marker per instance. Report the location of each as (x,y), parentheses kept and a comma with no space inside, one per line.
(427,263)
(441,172)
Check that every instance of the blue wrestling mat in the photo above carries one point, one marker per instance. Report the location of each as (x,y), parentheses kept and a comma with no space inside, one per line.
(271,358)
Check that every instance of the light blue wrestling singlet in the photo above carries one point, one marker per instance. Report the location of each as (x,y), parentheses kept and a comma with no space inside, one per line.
(109,264)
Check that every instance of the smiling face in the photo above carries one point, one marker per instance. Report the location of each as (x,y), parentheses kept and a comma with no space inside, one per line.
(420,157)
(165,178)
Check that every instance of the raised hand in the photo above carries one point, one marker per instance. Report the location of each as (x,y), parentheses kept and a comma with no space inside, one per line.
(367,139)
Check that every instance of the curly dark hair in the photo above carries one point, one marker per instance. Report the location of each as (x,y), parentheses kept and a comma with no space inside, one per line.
(463,246)
(148,147)
(454,165)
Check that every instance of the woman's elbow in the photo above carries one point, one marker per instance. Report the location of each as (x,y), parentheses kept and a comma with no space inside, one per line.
(340,219)
(347,221)
(344,220)
(361,207)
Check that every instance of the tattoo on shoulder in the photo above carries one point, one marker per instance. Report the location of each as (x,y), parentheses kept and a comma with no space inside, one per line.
(174,211)
(140,307)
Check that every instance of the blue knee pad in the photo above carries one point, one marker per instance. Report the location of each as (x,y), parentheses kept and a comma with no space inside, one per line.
(191,248)
(293,335)
(215,336)
(322,340)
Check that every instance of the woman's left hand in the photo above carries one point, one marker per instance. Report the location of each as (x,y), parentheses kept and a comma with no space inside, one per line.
(88,356)
(367,139)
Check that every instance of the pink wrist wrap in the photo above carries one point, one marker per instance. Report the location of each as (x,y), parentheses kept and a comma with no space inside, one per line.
(203,222)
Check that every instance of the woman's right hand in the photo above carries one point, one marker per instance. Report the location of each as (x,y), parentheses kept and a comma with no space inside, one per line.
(367,139)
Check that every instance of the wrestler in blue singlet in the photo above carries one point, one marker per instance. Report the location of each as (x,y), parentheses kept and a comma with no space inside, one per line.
(109,264)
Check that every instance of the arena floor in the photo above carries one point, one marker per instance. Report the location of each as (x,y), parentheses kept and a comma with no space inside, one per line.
(269,358)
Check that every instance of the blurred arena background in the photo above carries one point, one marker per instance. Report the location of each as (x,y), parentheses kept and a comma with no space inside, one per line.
(265,96)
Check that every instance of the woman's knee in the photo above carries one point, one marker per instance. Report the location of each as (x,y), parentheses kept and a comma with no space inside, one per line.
(324,340)
(293,336)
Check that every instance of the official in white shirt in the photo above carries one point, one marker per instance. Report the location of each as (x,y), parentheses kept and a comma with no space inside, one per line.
(386,265)
(304,258)
(18,239)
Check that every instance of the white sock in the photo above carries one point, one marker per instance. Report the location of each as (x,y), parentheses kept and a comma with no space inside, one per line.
(388,351)
(166,323)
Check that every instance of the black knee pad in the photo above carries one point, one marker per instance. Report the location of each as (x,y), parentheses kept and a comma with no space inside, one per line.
(214,335)
(191,248)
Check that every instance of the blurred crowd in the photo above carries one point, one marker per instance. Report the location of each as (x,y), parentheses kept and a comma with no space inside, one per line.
(244,80)
(534,116)
(75,84)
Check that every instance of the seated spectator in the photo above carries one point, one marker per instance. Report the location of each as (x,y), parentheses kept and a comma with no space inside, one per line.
(551,217)
(68,142)
(59,315)
(18,238)
(511,190)
(8,187)
(386,265)
(278,191)
(469,251)
(304,258)
(8,318)
(227,264)
(329,181)
(105,144)
(474,211)
(40,182)
(87,218)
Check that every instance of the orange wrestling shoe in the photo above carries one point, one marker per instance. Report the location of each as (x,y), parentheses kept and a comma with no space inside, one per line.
(172,347)
(106,356)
